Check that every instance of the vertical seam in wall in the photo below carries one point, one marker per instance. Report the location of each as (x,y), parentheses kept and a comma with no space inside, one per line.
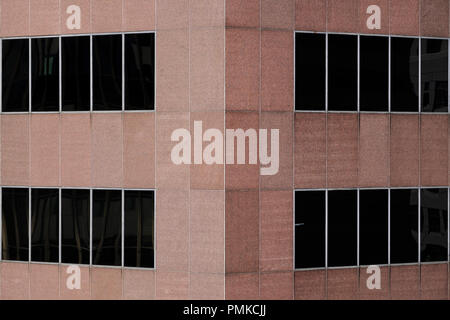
(155,162)
(122,152)
(60,30)
(419,196)
(123,22)
(59,267)
(29,18)
(326,150)
(224,130)
(91,14)
(189,174)
(59,151)
(29,279)
(259,164)
(293,151)
(294,19)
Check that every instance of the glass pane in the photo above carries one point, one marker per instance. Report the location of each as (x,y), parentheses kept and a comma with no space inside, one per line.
(373,227)
(433,225)
(342,228)
(310,71)
(404,226)
(434,75)
(374,73)
(45,225)
(309,229)
(45,74)
(15,224)
(139,226)
(139,71)
(76,73)
(107,72)
(342,72)
(404,74)
(15,75)
(75,226)
(107,227)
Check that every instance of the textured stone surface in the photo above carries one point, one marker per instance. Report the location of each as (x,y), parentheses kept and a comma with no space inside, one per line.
(310,285)
(405,282)
(342,150)
(404,17)
(404,150)
(373,150)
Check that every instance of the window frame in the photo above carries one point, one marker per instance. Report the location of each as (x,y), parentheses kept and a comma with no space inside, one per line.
(294,225)
(389,111)
(420,74)
(91,107)
(419,261)
(122,190)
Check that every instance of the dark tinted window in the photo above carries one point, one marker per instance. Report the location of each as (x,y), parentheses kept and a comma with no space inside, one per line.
(107,227)
(309,229)
(342,228)
(45,225)
(75,226)
(342,72)
(433,225)
(434,78)
(404,74)
(75,73)
(45,74)
(404,225)
(310,71)
(107,72)
(139,226)
(139,71)
(15,224)
(374,73)
(373,227)
(15,75)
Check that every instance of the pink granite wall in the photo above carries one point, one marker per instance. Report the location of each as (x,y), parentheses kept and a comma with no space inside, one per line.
(223,231)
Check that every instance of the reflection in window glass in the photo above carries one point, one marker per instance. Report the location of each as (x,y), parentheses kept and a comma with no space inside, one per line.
(45,74)
(342,228)
(310,71)
(404,74)
(75,226)
(342,72)
(107,72)
(433,225)
(434,80)
(374,73)
(373,227)
(107,227)
(76,80)
(45,225)
(309,229)
(15,224)
(15,75)
(139,71)
(139,227)
(404,225)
